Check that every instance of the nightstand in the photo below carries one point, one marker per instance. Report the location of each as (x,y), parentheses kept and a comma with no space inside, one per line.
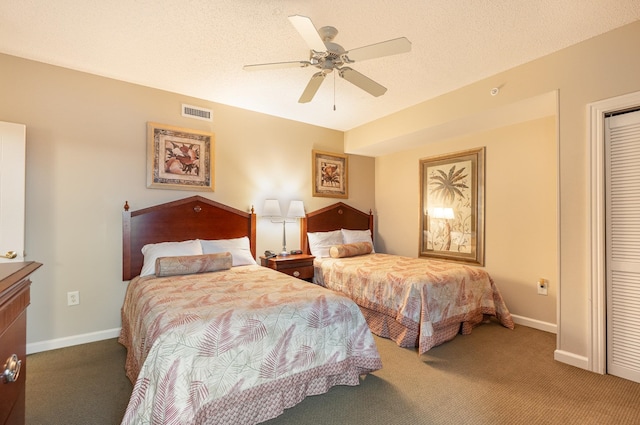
(298,265)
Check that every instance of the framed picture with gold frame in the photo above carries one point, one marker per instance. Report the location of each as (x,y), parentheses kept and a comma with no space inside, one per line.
(452,206)
(180,158)
(330,178)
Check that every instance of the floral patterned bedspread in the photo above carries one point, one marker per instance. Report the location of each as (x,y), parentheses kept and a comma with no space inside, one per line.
(419,293)
(237,346)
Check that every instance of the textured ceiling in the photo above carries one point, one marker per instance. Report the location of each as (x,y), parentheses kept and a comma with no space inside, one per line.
(198,47)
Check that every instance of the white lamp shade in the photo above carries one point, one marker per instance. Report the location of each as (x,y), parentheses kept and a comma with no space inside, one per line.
(446,213)
(296,209)
(271,208)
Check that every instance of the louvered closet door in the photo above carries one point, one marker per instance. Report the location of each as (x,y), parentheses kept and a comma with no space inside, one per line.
(623,245)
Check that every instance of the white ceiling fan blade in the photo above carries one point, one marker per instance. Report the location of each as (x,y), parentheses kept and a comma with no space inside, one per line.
(384,48)
(312,88)
(362,81)
(308,32)
(276,65)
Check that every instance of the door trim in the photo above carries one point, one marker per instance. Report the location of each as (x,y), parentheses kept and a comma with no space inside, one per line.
(598,323)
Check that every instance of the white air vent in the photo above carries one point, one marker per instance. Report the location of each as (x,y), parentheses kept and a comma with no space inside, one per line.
(197,112)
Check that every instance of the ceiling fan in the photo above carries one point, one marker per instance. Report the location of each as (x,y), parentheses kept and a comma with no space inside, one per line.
(328,56)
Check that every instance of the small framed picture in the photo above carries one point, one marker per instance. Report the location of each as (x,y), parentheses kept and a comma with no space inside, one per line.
(330,175)
(179,158)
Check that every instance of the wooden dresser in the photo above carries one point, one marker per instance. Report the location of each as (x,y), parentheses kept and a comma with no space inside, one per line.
(14,299)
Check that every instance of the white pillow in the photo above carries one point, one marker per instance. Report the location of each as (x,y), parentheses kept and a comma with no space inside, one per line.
(166,249)
(240,249)
(320,242)
(353,236)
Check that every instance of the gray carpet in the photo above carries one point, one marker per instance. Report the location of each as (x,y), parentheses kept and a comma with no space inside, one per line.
(493,376)
(84,384)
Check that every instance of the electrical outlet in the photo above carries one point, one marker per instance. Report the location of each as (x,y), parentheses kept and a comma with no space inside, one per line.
(543,286)
(73,298)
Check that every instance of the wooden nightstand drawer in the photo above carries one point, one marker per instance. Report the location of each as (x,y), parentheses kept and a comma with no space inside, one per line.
(299,272)
(300,265)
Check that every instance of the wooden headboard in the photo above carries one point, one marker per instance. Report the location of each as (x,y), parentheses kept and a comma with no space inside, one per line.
(190,218)
(334,217)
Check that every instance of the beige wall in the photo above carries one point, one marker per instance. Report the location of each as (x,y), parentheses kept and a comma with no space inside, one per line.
(603,67)
(520,210)
(86,155)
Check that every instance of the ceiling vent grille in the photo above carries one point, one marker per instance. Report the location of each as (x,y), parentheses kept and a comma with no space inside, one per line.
(197,112)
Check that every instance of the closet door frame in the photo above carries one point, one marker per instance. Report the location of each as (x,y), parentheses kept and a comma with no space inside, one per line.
(597,112)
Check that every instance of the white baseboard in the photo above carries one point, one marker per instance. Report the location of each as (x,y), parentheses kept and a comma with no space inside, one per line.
(535,324)
(571,359)
(562,356)
(53,344)
(36,347)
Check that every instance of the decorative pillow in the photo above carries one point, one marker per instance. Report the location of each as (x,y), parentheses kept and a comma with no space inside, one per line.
(166,249)
(320,242)
(353,236)
(240,249)
(191,264)
(350,249)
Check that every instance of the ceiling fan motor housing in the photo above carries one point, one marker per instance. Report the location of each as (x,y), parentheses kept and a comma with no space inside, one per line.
(332,58)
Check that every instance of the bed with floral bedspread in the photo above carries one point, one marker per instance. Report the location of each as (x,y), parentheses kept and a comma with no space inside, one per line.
(237,345)
(415,302)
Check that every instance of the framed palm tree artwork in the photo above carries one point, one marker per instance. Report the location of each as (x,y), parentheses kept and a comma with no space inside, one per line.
(452,206)
(180,158)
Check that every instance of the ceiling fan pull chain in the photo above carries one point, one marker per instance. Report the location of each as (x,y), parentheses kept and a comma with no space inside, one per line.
(334,91)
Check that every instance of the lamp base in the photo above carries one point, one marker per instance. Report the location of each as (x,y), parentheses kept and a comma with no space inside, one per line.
(283,254)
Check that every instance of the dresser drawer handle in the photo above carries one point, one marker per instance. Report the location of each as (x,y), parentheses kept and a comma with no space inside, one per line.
(11,369)
(296,273)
